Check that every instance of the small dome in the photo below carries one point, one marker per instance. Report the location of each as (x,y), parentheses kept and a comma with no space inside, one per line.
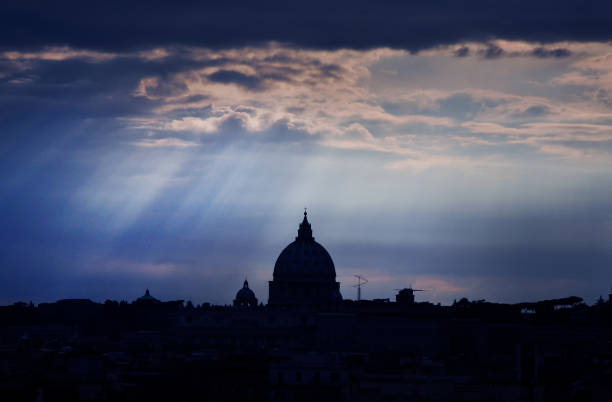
(245,293)
(245,296)
(305,258)
(147,298)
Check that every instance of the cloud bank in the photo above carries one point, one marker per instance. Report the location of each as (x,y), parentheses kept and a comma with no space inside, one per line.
(410,25)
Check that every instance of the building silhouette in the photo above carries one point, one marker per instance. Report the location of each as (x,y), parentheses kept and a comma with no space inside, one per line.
(307,344)
(304,275)
(245,297)
(147,298)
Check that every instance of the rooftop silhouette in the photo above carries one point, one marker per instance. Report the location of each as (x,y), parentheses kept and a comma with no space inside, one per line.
(307,343)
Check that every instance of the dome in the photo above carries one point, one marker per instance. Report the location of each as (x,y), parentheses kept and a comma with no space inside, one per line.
(245,293)
(305,258)
(147,298)
(245,296)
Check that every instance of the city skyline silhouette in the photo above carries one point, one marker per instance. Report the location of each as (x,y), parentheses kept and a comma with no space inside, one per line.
(325,200)
(306,342)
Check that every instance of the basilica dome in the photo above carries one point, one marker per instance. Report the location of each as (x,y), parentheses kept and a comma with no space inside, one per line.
(245,297)
(304,275)
(305,258)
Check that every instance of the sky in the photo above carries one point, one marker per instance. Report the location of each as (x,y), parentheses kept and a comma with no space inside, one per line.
(461,148)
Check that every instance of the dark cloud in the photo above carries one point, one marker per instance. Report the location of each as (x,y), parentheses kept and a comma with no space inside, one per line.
(492,52)
(551,53)
(532,112)
(331,70)
(412,25)
(235,77)
(462,51)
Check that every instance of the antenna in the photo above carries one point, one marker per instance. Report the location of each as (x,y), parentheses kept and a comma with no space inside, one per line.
(360,281)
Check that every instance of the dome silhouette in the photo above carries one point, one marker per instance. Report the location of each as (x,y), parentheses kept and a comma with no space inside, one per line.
(245,297)
(305,257)
(147,298)
(304,274)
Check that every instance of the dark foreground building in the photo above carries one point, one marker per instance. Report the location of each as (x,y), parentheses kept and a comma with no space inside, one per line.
(307,344)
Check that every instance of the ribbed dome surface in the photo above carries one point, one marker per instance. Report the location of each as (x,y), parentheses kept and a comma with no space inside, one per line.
(245,294)
(305,258)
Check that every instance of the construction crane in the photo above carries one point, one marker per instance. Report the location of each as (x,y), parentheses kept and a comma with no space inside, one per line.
(360,281)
